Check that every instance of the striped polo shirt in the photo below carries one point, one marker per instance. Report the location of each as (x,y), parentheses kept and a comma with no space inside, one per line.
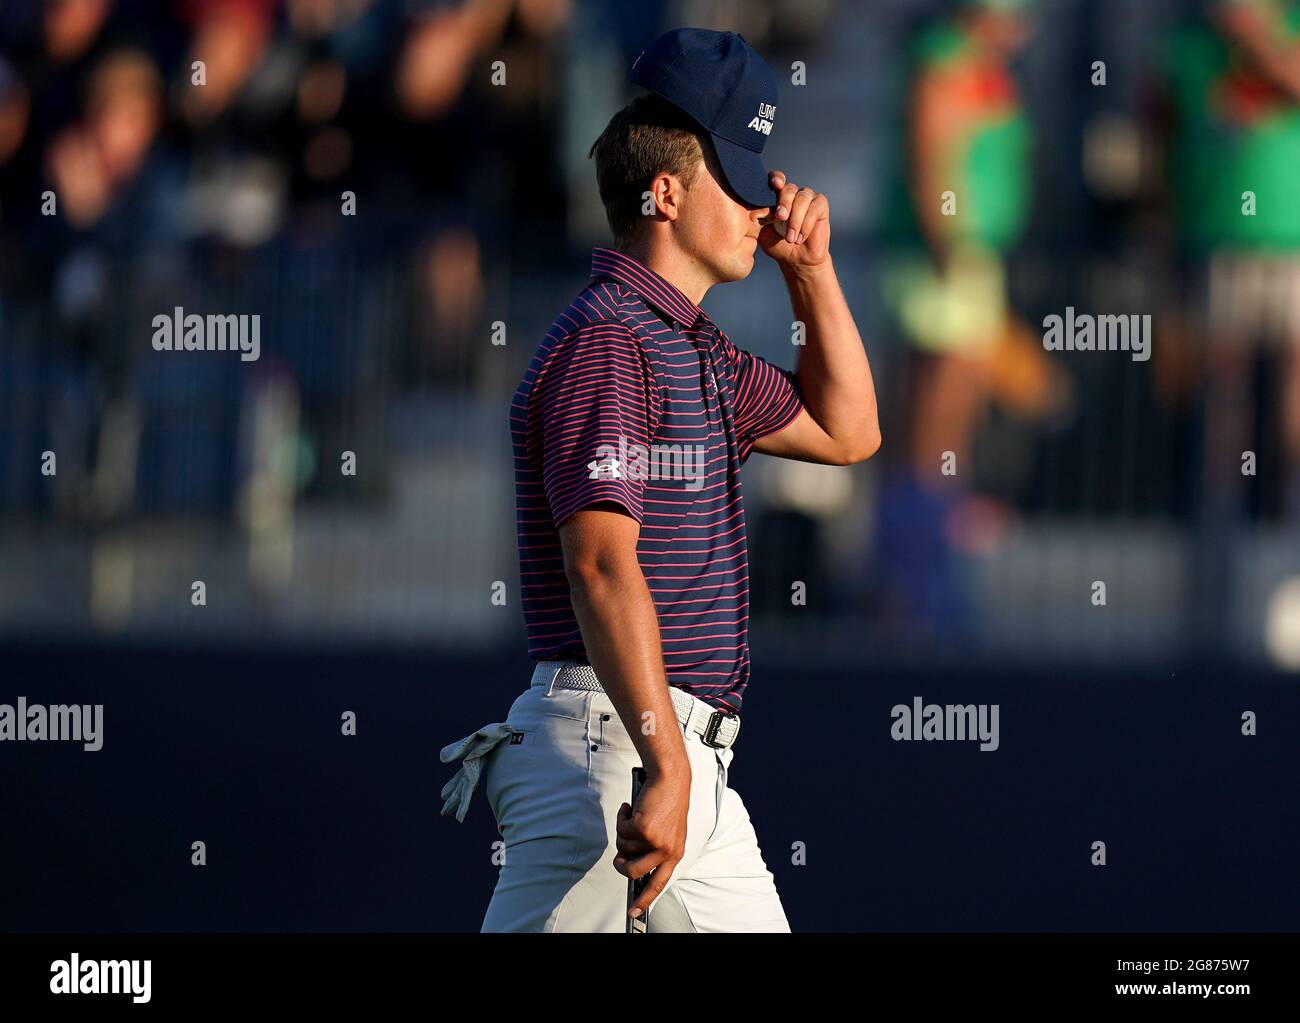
(636,397)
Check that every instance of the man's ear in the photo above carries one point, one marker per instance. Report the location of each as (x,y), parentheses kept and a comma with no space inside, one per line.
(666,192)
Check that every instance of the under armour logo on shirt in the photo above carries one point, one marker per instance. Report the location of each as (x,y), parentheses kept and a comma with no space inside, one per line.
(605,469)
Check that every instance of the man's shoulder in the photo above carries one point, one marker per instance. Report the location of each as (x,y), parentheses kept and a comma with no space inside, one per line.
(601,302)
(604,310)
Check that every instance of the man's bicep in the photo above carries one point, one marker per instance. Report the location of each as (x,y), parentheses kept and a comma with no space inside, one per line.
(767,397)
(804,440)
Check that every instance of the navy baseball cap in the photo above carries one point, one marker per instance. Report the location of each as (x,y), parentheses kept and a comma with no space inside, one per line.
(728,89)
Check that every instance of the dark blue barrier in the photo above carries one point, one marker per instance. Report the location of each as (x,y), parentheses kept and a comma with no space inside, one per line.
(308,830)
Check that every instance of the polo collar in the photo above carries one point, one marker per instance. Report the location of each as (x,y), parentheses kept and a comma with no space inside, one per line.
(655,290)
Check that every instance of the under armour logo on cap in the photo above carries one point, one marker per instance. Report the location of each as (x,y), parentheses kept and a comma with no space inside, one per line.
(728,89)
(762,121)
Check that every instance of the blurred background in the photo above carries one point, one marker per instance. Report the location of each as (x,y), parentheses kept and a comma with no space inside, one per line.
(1112,187)
(401,190)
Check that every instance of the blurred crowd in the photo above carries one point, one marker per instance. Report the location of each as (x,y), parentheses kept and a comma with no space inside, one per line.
(189,139)
(385,179)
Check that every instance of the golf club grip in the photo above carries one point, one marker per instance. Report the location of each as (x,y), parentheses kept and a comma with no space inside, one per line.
(635,888)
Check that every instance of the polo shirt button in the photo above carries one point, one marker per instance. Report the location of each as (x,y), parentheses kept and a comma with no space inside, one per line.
(604,717)
(595,748)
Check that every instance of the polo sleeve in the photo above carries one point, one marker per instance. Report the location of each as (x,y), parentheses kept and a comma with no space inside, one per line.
(596,399)
(765,397)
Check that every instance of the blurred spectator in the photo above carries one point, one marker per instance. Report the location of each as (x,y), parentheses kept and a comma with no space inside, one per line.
(70,26)
(1235,77)
(230,37)
(91,162)
(15,108)
(969,149)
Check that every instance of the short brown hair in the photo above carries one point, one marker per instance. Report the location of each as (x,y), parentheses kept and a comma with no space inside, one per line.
(649,136)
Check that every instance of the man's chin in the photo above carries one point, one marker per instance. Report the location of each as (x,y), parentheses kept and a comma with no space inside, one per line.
(742,267)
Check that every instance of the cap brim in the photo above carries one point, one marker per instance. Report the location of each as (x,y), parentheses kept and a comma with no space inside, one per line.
(746,176)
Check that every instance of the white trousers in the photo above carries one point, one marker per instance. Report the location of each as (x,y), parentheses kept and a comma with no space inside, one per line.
(555,788)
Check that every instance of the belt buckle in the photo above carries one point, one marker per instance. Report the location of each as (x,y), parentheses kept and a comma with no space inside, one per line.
(709,738)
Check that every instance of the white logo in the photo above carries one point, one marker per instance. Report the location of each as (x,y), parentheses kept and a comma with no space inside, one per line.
(101,977)
(605,469)
(762,122)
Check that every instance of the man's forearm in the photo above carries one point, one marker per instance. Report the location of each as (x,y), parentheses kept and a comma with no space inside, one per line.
(832,367)
(620,630)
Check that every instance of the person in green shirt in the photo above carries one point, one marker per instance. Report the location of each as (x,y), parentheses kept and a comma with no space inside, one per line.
(1234,169)
(967,193)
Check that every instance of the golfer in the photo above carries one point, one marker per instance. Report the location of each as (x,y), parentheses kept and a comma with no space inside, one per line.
(630,428)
